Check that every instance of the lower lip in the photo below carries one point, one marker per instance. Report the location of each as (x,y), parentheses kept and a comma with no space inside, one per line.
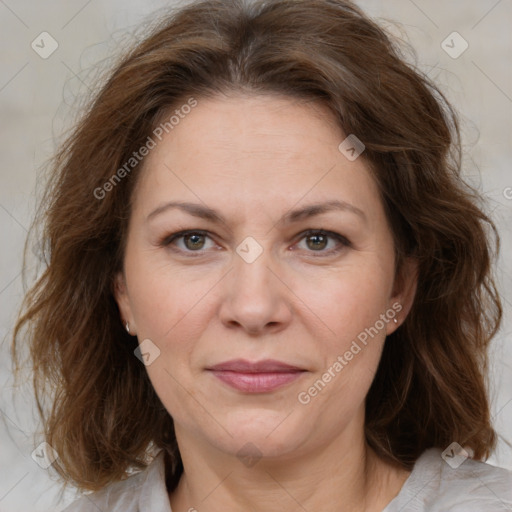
(256,382)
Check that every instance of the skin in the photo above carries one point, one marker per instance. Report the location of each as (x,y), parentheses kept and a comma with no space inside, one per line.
(253,159)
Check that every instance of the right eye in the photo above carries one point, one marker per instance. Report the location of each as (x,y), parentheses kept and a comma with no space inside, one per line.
(193,241)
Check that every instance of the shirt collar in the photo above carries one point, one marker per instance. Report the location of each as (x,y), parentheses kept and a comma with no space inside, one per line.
(154,496)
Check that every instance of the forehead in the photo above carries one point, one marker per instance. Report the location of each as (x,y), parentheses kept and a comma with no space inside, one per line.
(270,152)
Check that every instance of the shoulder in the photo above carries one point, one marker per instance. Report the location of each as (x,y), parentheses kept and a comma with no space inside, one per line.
(140,492)
(435,485)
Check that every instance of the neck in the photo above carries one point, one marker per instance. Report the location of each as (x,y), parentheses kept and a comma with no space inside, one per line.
(340,476)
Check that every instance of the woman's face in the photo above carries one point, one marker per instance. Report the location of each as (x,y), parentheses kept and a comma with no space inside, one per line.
(257,286)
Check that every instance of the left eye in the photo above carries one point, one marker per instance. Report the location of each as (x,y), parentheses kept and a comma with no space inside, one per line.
(316,241)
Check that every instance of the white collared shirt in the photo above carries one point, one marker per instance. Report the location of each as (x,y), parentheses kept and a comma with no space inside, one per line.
(433,486)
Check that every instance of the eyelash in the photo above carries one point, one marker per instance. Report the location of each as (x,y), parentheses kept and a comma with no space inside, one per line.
(168,240)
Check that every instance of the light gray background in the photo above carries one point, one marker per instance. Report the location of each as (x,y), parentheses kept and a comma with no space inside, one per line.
(38,103)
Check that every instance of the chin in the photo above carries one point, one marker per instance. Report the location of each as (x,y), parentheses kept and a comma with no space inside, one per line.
(254,446)
(268,433)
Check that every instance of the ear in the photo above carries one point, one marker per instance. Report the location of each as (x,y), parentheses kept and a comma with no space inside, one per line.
(121,295)
(404,291)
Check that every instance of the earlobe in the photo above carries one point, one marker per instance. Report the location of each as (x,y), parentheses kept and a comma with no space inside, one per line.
(121,296)
(404,291)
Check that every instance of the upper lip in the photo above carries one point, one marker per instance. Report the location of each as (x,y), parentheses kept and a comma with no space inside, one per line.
(244,366)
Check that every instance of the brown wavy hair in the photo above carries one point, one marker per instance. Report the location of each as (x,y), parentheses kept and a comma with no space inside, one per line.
(430,387)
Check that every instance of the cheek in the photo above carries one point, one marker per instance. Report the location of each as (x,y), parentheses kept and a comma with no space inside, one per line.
(352,307)
(162,295)
(346,301)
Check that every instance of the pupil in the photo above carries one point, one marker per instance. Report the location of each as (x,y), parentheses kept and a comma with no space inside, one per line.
(189,237)
(322,245)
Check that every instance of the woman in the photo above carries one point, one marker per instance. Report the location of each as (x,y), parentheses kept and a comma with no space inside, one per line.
(268,286)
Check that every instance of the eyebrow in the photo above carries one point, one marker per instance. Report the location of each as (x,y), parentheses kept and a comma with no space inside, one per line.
(204,212)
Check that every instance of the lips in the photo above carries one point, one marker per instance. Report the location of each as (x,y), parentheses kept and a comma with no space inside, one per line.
(265,366)
(256,377)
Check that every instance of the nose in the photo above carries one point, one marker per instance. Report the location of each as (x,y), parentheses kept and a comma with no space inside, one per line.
(256,299)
